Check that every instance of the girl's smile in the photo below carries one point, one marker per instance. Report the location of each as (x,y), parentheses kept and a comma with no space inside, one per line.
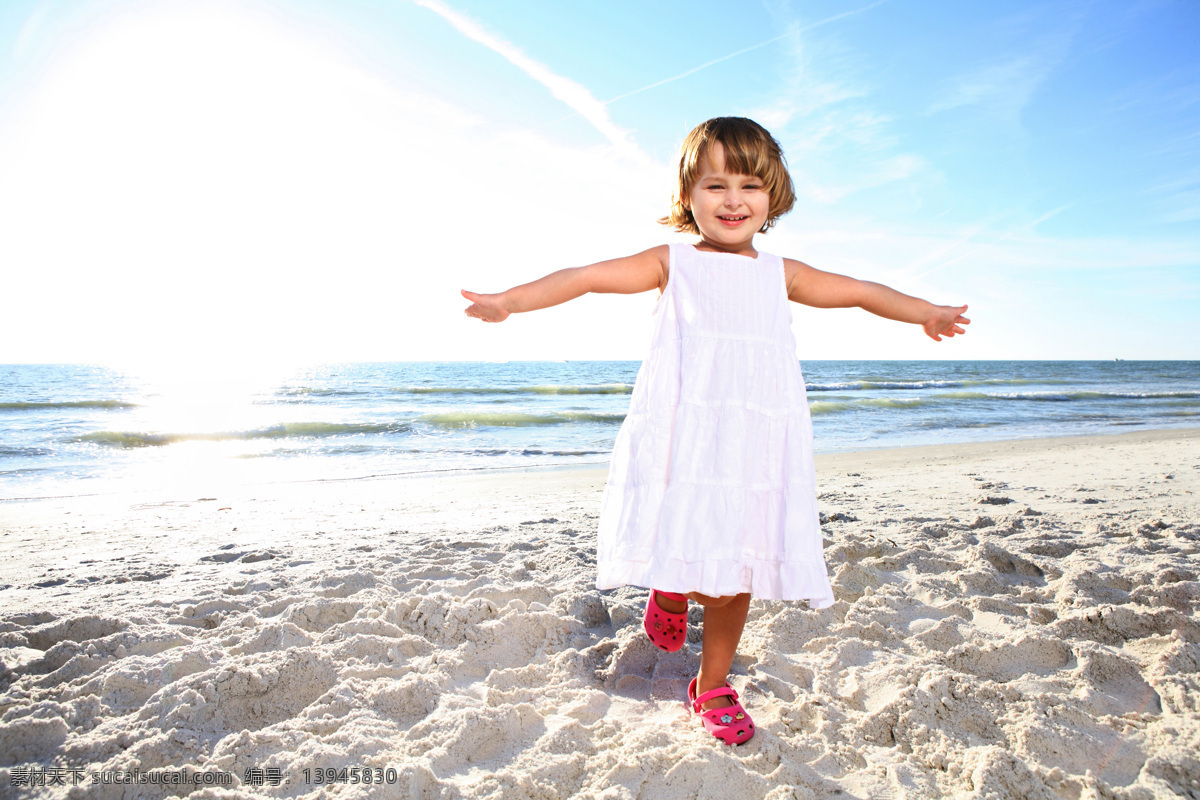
(728,208)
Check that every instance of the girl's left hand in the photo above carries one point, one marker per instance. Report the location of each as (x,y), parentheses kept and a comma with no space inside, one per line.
(945,321)
(487,307)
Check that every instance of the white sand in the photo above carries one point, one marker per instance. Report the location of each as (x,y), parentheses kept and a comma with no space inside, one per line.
(1014,620)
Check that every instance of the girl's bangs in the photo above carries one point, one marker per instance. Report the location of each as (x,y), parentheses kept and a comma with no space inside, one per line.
(746,156)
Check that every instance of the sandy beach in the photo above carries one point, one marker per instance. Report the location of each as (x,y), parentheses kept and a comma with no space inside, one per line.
(1013,620)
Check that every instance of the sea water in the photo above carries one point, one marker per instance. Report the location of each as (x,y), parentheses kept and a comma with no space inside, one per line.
(68,429)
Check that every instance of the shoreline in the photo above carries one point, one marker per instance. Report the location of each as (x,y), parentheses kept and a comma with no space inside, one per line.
(887,452)
(1012,619)
(1019,445)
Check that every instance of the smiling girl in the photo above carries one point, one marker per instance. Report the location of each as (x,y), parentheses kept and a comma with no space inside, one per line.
(711,493)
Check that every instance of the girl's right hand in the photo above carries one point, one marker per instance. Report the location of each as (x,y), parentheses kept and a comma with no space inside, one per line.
(945,321)
(486,307)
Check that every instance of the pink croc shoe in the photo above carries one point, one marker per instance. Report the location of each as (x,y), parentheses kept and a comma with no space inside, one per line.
(668,631)
(732,725)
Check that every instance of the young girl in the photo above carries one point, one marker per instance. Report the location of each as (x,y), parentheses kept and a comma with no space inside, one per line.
(711,493)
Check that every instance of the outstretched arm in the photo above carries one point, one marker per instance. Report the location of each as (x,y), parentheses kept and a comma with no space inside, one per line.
(629,275)
(812,287)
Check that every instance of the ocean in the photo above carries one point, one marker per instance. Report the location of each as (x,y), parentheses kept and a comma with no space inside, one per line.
(72,430)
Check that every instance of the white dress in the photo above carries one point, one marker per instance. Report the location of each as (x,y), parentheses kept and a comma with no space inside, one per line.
(711,487)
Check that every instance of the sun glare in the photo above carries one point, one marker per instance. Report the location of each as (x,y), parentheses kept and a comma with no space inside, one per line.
(184,170)
(205,182)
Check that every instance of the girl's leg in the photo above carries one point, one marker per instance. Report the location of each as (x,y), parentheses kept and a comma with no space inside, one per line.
(671,606)
(724,619)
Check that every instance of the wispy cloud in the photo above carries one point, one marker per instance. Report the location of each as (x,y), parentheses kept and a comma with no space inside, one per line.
(1004,253)
(31,28)
(1004,86)
(1174,91)
(791,33)
(838,140)
(573,94)
(1178,198)
(1051,213)
(969,244)
(1184,214)
(963,250)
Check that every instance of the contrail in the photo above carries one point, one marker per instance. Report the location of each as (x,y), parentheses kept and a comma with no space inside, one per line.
(576,96)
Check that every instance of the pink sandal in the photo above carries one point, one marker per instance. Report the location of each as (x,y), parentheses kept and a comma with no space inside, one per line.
(732,725)
(668,631)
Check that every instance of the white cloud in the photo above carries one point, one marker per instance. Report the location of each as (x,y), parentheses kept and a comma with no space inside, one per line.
(1030,296)
(201,182)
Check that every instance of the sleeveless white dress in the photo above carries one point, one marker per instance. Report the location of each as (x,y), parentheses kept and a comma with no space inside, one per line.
(711,486)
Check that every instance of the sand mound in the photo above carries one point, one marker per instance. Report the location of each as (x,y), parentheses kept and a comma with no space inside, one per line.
(1048,652)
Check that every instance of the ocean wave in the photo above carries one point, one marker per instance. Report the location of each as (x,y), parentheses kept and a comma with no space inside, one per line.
(308,391)
(955,424)
(38,406)
(1082,394)
(886,385)
(298,430)
(856,386)
(1055,397)
(819,407)
(22,472)
(470,419)
(7,451)
(606,388)
(522,451)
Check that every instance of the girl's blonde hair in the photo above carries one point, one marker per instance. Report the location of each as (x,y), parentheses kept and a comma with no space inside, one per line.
(749,150)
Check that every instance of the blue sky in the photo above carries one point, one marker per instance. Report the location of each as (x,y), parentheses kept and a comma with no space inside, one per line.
(253,180)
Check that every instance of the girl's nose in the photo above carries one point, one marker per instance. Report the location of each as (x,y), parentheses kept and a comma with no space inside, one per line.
(733,198)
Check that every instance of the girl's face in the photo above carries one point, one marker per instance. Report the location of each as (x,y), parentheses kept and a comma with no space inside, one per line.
(729,209)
